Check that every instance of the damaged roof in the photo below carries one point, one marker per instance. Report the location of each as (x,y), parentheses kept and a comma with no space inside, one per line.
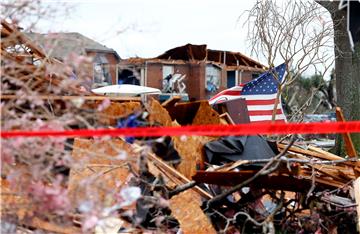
(60,45)
(191,52)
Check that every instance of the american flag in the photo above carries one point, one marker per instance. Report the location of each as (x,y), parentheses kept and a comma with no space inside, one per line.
(260,95)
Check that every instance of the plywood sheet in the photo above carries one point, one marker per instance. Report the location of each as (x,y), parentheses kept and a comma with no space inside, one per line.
(158,114)
(190,149)
(118,110)
(102,151)
(206,115)
(185,207)
(99,168)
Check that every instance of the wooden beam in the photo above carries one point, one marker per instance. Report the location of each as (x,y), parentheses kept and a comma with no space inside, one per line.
(349,145)
(69,98)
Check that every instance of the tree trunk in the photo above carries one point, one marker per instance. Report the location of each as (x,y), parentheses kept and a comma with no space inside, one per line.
(347,71)
(355,110)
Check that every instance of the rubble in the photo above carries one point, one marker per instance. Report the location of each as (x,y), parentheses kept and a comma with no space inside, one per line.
(244,184)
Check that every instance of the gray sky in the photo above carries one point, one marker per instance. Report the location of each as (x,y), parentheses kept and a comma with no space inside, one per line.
(148,28)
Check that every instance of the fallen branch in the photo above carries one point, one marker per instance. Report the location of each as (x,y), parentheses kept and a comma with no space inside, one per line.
(267,169)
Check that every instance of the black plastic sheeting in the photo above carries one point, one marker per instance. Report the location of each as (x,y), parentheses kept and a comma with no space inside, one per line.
(234,148)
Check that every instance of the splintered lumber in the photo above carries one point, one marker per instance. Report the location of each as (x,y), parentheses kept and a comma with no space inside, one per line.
(327,155)
(187,211)
(174,175)
(357,201)
(323,169)
(315,152)
(354,165)
(349,145)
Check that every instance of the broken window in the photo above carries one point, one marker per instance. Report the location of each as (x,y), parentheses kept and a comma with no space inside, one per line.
(102,74)
(129,76)
(167,70)
(213,77)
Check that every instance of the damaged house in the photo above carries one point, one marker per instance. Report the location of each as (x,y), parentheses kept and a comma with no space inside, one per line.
(194,70)
(63,45)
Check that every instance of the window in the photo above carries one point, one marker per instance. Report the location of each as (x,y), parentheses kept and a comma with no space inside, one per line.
(102,74)
(213,77)
(168,72)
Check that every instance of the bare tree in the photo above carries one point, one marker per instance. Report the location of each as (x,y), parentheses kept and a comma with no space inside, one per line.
(294,32)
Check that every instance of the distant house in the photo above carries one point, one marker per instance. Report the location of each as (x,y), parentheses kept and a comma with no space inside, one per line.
(203,71)
(61,45)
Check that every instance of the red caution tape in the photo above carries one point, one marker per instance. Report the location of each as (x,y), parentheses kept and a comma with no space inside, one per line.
(203,130)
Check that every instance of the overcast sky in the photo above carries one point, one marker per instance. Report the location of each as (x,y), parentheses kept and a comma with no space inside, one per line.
(147,28)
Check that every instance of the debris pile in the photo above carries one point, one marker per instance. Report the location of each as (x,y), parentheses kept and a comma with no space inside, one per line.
(188,184)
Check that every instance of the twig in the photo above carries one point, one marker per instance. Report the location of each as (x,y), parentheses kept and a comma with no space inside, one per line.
(182,188)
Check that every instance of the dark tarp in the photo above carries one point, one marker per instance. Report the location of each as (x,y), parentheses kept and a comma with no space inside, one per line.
(234,148)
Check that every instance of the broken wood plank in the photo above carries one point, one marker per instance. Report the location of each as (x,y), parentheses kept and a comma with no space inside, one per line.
(187,211)
(315,152)
(349,145)
(158,162)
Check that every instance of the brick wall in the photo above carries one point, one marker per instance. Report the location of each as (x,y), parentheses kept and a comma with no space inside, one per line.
(154,75)
(246,76)
(196,83)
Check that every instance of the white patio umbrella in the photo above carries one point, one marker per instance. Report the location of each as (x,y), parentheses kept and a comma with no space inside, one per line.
(126,90)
